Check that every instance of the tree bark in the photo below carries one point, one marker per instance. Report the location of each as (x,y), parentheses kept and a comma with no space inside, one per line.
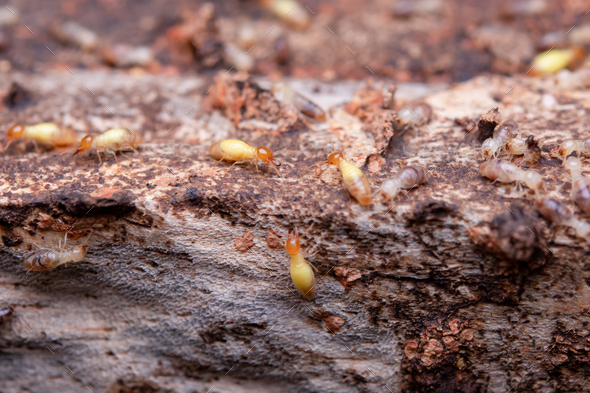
(186,288)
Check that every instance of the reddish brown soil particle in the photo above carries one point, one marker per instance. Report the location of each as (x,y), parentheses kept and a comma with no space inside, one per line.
(367,105)
(438,360)
(333,322)
(273,239)
(241,99)
(346,277)
(245,242)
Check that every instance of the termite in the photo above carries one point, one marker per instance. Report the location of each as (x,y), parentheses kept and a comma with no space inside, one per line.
(236,151)
(113,140)
(580,184)
(301,272)
(491,147)
(355,181)
(49,260)
(507,172)
(418,115)
(49,134)
(411,118)
(569,146)
(532,153)
(290,11)
(516,146)
(301,103)
(559,214)
(407,178)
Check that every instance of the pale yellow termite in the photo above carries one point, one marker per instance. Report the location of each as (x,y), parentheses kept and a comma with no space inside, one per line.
(407,178)
(301,272)
(507,172)
(112,140)
(49,260)
(355,181)
(49,134)
(236,151)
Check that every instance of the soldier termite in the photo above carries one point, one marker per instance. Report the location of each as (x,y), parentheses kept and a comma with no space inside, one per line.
(406,178)
(49,260)
(491,147)
(569,146)
(559,214)
(301,272)
(355,181)
(49,134)
(285,93)
(236,151)
(507,172)
(113,140)
(580,184)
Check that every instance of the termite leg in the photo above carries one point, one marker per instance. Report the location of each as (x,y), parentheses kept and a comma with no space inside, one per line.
(99,159)
(116,160)
(7,144)
(36,146)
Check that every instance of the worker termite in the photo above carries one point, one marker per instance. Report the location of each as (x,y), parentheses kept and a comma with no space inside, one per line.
(559,214)
(301,272)
(569,146)
(355,181)
(491,147)
(290,11)
(407,178)
(412,118)
(236,151)
(285,93)
(49,260)
(418,115)
(49,134)
(580,184)
(507,172)
(113,140)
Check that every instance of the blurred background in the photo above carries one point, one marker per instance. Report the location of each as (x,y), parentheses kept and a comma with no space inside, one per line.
(420,40)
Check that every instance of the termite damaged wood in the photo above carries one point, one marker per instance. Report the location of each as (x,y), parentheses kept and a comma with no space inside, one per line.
(462,286)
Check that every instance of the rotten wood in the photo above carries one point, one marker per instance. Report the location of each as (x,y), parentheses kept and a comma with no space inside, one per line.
(432,293)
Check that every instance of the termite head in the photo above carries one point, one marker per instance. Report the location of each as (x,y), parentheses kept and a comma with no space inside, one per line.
(292,244)
(85,144)
(533,180)
(265,155)
(79,252)
(334,158)
(489,148)
(573,164)
(15,132)
(566,148)
(531,142)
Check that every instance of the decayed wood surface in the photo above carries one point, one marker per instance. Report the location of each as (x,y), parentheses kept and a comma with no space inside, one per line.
(166,301)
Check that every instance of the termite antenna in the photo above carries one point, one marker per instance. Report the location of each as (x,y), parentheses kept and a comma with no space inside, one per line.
(332,143)
(88,238)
